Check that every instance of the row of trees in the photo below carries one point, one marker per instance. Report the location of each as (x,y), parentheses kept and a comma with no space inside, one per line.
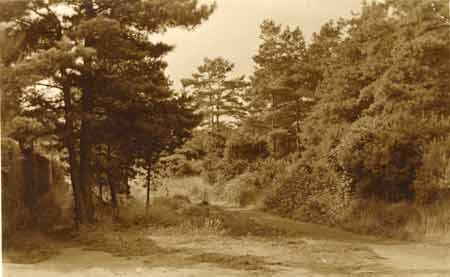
(275,99)
(362,105)
(88,74)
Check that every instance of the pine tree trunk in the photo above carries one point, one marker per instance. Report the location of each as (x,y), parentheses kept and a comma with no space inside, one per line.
(272,125)
(87,213)
(87,210)
(70,144)
(31,174)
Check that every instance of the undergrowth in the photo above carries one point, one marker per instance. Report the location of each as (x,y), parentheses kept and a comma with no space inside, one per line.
(180,215)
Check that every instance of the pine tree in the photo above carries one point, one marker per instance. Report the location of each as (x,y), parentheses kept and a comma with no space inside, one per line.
(93,61)
(283,82)
(218,96)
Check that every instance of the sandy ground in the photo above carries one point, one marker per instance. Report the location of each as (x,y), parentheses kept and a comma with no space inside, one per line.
(313,251)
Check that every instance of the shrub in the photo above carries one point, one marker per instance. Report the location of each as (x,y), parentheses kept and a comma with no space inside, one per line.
(318,195)
(381,155)
(291,189)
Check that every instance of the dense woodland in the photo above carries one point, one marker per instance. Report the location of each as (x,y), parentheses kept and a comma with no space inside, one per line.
(351,121)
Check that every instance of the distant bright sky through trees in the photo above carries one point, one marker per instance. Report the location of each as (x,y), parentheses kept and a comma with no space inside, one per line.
(232,31)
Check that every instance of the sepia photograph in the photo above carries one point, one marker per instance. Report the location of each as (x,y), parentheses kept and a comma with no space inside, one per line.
(216,138)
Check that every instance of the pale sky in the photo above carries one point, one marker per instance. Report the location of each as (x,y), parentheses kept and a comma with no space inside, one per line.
(232,31)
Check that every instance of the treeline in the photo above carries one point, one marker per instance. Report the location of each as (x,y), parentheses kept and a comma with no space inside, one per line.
(358,113)
(85,80)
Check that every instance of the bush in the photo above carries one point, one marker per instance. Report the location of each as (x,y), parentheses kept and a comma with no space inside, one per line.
(291,192)
(381,155)
(319,195)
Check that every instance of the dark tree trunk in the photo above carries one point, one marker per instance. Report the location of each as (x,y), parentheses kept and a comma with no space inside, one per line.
(31,186)
(87,214)
(70,143)
(113,190)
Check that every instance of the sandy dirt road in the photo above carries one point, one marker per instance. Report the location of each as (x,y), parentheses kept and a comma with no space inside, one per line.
(311,250)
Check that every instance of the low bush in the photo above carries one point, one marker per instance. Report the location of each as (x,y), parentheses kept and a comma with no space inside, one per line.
(308,196)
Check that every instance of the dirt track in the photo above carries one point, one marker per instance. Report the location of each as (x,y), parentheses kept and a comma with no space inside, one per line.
(312,250)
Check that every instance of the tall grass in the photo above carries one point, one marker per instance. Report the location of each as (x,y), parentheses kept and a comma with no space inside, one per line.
(435,222)
(403,220)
